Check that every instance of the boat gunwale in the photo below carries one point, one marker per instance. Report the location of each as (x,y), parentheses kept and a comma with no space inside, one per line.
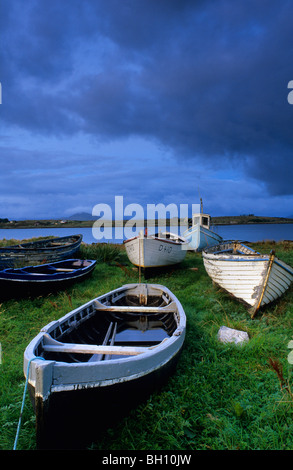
(162,349)
(236,257)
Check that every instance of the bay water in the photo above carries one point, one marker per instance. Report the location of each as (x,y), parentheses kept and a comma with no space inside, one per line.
(245,232)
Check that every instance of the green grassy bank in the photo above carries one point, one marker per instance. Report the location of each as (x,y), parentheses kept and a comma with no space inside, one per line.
(222,396)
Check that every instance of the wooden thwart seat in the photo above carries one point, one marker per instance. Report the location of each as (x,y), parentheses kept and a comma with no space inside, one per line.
(51,345)
(67,270)
(172,307)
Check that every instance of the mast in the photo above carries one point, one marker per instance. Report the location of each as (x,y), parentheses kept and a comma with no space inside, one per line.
(201,204)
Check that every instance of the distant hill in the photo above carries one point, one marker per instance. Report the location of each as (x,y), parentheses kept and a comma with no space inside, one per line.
(86,216)
(218,220)
(250,219)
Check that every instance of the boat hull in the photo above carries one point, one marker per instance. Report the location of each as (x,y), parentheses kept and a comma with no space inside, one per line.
(199,237)
(255,279)
(72,399)
(150,252)
(93,409)
(43,251)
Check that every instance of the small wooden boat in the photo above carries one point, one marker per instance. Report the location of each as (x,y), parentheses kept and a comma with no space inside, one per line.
(160,249)
(42,251)
(249,276)
(199,235)
(33,279)
(101,359)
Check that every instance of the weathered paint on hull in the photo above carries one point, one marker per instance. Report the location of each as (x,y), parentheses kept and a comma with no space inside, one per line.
(74,420)
(279,280)
(199,237)
(154,252)
(250,277)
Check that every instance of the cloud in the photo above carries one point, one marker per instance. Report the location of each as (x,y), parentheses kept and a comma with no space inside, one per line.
(204,82)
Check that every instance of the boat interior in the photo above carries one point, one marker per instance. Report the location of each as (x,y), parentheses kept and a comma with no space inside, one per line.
(120,324)
(169,236)
(231,248)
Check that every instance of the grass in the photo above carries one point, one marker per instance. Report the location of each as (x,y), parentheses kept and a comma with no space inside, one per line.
(222,396)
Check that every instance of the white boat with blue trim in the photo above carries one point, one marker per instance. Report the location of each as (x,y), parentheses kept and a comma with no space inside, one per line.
(254,278)
(100,360)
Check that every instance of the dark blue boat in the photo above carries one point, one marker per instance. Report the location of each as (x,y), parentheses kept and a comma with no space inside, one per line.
(40,251)
(32,279)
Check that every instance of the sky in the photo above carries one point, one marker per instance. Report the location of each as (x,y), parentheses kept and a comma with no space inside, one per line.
(158,101)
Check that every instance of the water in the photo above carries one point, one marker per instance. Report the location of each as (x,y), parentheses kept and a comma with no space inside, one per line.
(24,233)
(252,233)
(256,232)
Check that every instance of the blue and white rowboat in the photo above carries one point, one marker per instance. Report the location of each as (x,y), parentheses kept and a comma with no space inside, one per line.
(101,359)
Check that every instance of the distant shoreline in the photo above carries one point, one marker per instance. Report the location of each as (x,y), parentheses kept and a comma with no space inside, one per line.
(67,223)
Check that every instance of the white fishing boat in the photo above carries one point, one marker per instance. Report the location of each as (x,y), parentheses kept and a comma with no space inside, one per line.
(161,249)
(101,359)
(199,235)
(254,278)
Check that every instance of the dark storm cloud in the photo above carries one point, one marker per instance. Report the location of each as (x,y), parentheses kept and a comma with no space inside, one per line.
(206,79)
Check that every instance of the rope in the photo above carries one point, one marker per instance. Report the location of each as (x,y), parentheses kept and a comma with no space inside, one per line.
(23,399)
